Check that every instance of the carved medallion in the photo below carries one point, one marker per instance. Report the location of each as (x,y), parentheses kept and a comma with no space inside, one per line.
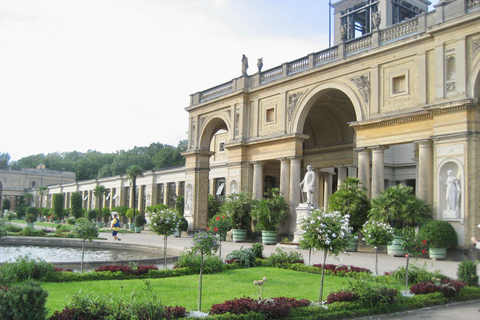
(292,103)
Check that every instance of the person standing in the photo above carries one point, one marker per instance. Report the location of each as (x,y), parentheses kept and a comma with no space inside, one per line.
(115,226)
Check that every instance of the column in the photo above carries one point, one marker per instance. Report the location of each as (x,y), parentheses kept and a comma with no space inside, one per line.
(212,187)
(352,171)
(328,188)
(425,171)
(284,177)
(165,193)
(378,171)
(140,203)
(177,189)
(364,168)
(294,191)
(342,175)
(257,180)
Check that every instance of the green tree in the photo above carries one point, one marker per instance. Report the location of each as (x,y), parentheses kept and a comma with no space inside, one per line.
(42,192)
(351,199)
(3,230)
(57,205)
(6,204)
(99,192)
(85,230)
(4,160)
(134,172)
(399,207)
(204,243)
(28,198)
(163,222)
(328,232)
(76,200)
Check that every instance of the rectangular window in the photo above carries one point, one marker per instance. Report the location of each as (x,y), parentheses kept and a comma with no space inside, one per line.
(399,84)
(270,115)
(34,183)
(221,147)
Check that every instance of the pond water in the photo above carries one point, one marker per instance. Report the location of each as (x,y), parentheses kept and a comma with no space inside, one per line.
(64,254)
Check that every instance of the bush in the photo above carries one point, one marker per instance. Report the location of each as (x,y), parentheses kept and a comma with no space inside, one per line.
(449,288)
(276,308)
(439,234)
(140,221)
(29,232)
(91,214)
(30,218)
(25,268)
(416,274)
(12,228)
(341,297)
(372,295)
(188,259)
(280,257)
(257,249)
(71,220)
(244,257)
(335,269)
(23,301)
(127,269)
(467,272)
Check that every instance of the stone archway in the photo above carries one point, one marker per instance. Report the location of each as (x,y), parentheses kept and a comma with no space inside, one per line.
(197,169)
(325,118)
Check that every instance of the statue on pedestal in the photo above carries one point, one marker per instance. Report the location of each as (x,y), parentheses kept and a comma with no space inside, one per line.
(308,185)
(452,194)
(244,65)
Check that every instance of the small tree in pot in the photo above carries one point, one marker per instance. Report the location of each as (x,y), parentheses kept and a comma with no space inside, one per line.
(238,207)
(268,213)
(439,234)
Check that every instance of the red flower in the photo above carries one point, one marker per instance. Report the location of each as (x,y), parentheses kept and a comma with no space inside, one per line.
(424,251)
(208,228)
(223,217)
(406,256)
(29,221)
(424,241)
(218,218)
(215,229)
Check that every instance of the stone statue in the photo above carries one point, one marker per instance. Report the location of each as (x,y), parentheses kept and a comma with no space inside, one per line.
(189,202)
(260,64)
(308,184)
(453,192)
(244,65)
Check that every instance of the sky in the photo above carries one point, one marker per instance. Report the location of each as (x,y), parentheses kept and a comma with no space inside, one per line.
(108,75)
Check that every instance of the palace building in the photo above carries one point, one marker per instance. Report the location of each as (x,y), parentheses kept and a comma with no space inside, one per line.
(394,100)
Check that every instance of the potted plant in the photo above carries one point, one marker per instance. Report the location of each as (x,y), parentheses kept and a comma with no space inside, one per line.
(238,207)
(130,215)
(351,199)
(439,236)
(399,207)
(139,223)
(220,224)
(377,234)
(268,213)
(30,219)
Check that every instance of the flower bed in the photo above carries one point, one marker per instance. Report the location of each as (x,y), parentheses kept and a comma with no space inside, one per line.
(342,268)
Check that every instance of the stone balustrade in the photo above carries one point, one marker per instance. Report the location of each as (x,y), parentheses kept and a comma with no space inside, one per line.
(398,30)
(358,44)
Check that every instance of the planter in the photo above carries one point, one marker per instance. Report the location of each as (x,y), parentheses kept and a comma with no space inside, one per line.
(395,248)
(138,229)
(352,245)
(31,225)
(437,253)
(239,235)
(131,226)
(269,237)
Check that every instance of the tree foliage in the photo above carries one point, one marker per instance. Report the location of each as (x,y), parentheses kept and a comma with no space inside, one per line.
(94,164)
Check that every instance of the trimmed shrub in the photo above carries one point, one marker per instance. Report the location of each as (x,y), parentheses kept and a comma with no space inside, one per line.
(467,272)
(23,301)
(341,297)
(416,274)
(449,288)
(275,308)
(257,249)
(335,269)
(126,269)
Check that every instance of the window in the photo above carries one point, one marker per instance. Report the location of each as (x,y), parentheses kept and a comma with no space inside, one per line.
(270,115)
(398,84)
(34,183)
(221,147)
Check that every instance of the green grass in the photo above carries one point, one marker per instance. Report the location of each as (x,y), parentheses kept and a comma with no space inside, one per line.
(217,288)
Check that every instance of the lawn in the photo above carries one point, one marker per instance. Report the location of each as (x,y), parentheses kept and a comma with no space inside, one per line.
(217,288)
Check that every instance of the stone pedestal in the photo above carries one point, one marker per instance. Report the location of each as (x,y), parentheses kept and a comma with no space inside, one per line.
(304,210)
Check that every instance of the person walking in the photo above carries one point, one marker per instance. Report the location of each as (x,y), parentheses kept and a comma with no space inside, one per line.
(115,226)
